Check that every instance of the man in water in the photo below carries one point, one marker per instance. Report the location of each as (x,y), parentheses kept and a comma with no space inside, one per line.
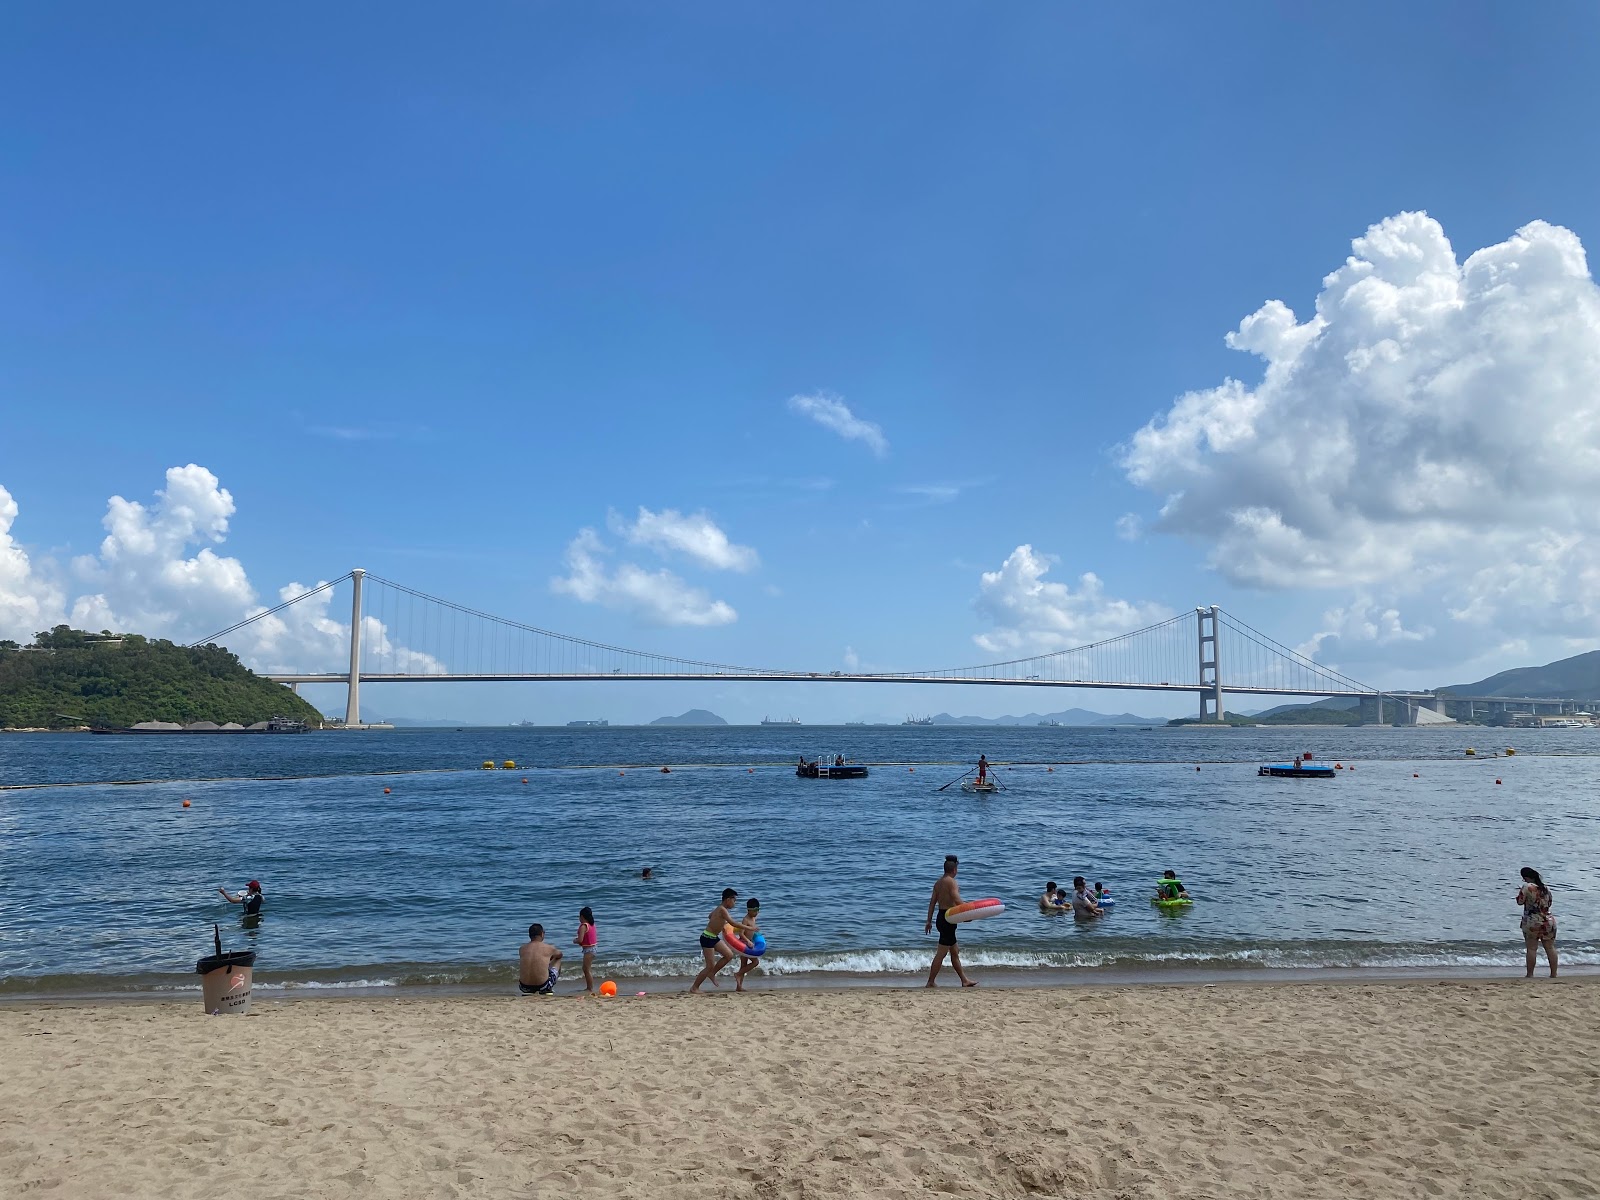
(1083,902)
(1051,900)
(946,895)
(983,768)
(251,898)
(645,874)
(719,919)
(539,964)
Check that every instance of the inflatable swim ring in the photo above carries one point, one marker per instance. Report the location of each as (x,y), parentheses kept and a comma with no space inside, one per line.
(757,945)
(1179,903)
(1105,901)
(974,910)
(731,943)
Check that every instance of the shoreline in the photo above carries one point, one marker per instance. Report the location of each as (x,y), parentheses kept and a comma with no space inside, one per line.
(1050,979)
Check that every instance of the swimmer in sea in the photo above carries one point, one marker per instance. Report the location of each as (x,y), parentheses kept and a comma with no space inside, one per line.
(946,895)
(539,964)
(720,917)
(1050,902)
(1170,887)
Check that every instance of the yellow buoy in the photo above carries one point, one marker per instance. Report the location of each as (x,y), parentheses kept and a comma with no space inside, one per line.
(488,764)
(1509,750)
(1471,751)
(508,765)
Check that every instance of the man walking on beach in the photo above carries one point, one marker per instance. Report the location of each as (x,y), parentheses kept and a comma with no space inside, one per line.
(946,895)
(719,919)
(539,964)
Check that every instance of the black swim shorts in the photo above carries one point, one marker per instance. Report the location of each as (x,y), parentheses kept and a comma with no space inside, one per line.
(947,931)
(707,941)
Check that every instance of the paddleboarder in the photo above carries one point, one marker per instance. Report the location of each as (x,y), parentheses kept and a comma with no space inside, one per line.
(983,769)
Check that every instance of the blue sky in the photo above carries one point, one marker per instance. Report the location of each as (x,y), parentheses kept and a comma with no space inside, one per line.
(430,293)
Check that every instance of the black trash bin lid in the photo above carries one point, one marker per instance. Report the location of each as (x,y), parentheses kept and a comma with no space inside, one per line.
(233,958)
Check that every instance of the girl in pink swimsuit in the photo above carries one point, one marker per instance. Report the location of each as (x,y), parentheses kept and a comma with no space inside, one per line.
(586,940)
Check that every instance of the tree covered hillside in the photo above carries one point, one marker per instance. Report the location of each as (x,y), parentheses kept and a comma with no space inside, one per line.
(68,677)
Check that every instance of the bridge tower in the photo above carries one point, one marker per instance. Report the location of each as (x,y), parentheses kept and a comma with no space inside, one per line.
(352,702)
(1210,670)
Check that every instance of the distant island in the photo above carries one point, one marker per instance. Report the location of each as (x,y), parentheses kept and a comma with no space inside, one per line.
(1071,716)
(68,678)
(695,716)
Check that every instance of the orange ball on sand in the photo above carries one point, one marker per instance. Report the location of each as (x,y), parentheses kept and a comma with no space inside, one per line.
(186,803)
(608,988)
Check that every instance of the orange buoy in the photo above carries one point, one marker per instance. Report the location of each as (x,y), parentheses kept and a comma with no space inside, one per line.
(1049,768)
(1338,766)
(1414,775)
(1497,781)
(524,779)
(385,791)
(913,770)
(750,771)
(186,803)
(621,772)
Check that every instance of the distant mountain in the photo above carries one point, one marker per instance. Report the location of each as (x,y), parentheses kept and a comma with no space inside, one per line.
(695,716)
(1071,716)
(1577,677)
(1334,703)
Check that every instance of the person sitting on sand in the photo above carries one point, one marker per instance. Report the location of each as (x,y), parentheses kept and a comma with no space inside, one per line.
(1083,901)
(946,895)
(1170,887)
(1050,901)
(539,964)
(720,918)
(749,926)
(251,898)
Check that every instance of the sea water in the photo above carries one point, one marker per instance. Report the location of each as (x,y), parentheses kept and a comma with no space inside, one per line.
(1408,858)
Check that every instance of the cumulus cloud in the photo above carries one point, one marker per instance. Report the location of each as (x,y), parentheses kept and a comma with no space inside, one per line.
(144,578)
(695,536)
(657,597)
(1033,615)
(1360,623)
(29,599)
(831,412)
(1430,434)
(157,573)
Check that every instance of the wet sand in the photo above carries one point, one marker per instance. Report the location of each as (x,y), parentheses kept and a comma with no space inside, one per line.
(1376,1089)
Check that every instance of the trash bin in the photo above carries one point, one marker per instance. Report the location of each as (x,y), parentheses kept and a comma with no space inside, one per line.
(225,980)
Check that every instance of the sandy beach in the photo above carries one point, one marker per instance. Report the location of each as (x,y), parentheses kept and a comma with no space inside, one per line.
(1480,1089)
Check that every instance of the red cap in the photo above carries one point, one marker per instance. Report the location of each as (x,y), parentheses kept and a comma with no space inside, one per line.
(254,886)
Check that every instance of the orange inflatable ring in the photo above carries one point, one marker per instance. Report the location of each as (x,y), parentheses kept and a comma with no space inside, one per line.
(974,910)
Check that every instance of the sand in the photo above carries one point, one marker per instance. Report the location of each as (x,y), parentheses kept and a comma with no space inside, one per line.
(1480,1089)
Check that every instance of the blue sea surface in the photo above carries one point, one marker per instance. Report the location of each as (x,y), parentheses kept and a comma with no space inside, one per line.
(1408,858)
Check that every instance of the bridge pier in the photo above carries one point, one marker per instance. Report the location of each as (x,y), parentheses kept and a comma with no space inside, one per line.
(352,699)
(1210,670)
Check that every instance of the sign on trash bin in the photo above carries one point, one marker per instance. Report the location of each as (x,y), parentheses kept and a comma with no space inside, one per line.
(225,979)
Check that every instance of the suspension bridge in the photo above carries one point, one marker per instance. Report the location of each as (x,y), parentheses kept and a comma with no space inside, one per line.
(397,634)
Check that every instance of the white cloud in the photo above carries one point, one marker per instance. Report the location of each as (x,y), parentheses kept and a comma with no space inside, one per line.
(1032,615)
(696,536)
(657,597)
(831,412)
(1431,432)
(1360,624)
(931,493)
(1130,527)
(145,579)
(852,660)
(30,601)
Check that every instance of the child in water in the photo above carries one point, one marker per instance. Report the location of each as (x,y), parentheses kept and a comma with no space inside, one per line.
(1101,896)
(748,927)
(586,940)
(1170,887)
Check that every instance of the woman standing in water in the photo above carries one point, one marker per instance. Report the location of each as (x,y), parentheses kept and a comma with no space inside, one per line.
(1538,925)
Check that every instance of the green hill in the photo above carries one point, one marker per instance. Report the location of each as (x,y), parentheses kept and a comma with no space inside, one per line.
(68,677)
(1577,677)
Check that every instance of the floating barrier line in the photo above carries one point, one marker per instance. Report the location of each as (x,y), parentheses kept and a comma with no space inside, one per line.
(680,767)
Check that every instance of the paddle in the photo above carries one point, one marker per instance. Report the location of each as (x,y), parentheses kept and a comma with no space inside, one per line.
(960,777)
